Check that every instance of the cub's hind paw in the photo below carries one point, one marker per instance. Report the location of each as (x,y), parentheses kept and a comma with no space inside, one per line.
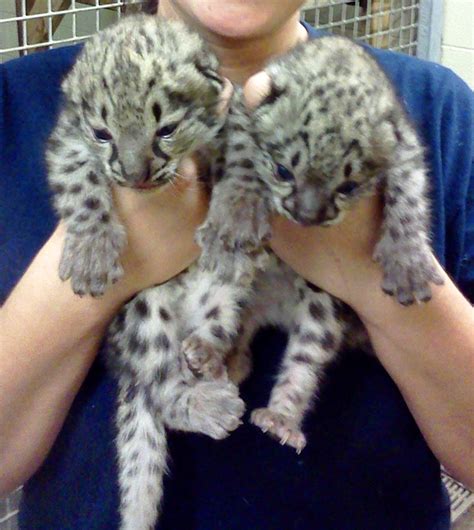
(215,408)
(279,426)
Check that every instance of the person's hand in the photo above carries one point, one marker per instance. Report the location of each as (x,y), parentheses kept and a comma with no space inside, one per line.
(339,258)
(160,228)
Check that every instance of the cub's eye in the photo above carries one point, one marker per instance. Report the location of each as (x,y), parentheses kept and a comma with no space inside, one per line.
(167,131)
(102,135)
(284,174)
(347,188)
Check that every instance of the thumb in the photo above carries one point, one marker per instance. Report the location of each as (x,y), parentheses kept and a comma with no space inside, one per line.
(256,89)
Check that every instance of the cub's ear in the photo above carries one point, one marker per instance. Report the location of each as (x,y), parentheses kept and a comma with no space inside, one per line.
(262,90)
(207,65)
(276,90)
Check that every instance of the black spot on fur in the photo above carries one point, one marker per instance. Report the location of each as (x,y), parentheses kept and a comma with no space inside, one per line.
(308,118)
(328,341)
(92,178)
(219,332)
(296,159)
(213,313)
(141,307)
(93,203)
(71,168)
(104,114)
(394,233)
(161,374)
(137,345)
(76,188)
(162,342)
(317,311)
(305,137)
(105,218)
(164,314)
(391,200)
(114,155)
(157,111)
(119,321)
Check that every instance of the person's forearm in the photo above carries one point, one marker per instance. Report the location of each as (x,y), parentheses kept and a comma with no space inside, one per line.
(428,350)
(48,340)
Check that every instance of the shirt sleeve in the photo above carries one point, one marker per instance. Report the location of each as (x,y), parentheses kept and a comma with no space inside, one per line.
(457,150)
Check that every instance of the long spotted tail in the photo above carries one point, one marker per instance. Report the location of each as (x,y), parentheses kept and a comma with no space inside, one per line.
(142,453)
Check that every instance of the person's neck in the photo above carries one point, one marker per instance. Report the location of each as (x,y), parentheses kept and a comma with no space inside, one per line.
(241,58)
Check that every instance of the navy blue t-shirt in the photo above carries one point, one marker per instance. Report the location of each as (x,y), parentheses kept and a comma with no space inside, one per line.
(366,466)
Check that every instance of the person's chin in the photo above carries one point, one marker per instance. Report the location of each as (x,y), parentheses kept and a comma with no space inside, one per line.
(236,26)
(235,19)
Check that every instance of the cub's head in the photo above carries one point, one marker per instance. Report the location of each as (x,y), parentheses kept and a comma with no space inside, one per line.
(322,152)
(142,95)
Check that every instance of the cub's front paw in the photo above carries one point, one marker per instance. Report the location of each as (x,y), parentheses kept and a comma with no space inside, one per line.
(203,358)
(279,426)
(92,261)
(240,226)
(408,270)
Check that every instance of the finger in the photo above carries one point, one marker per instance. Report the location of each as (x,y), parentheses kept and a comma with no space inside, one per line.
(189,167)
(257,88)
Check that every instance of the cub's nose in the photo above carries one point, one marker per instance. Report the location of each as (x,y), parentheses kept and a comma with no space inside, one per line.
(145,175)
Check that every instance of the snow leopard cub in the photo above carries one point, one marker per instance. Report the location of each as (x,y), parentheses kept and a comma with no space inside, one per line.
(332,130)
(142,95)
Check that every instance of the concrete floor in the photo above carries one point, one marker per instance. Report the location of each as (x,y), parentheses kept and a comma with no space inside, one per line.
(466,521)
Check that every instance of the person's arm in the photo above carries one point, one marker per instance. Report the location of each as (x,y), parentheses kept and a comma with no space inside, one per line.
(427,349)
(49,336)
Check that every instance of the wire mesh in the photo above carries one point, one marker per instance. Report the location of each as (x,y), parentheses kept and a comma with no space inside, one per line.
(390,24)
(31,25)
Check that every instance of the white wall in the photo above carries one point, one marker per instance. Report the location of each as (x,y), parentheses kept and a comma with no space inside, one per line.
(458,38)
